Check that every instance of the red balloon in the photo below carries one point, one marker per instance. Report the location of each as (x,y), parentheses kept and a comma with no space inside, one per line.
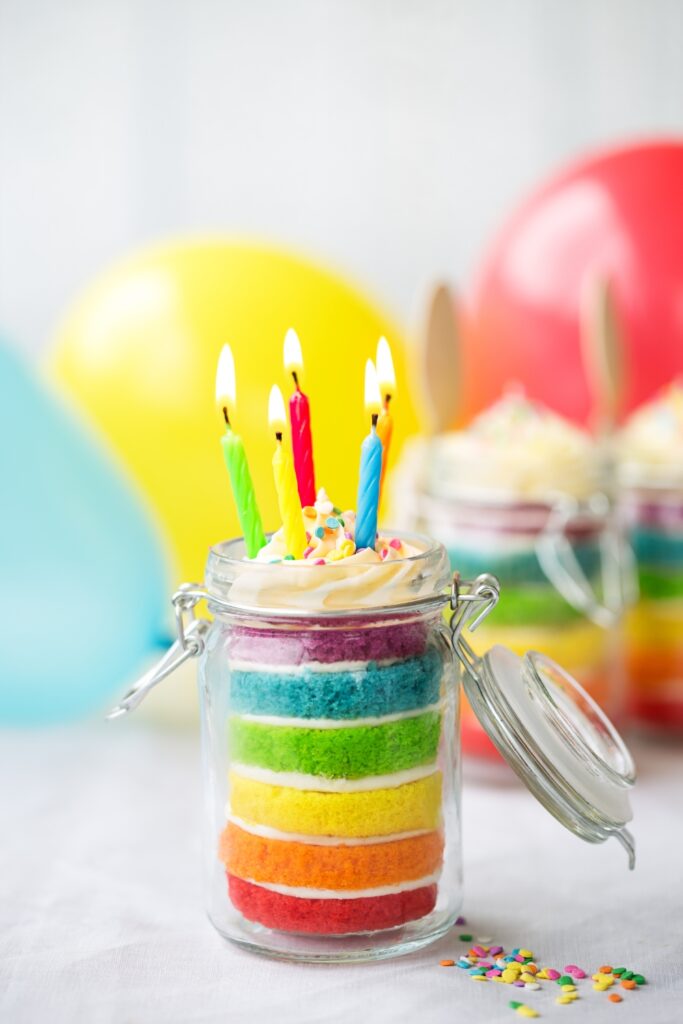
(618,214)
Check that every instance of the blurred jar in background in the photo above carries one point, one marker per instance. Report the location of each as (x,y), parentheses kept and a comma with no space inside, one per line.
(651,478)
(517,494)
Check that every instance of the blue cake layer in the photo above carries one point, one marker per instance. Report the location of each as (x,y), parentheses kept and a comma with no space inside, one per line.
(371,691)
(659,548)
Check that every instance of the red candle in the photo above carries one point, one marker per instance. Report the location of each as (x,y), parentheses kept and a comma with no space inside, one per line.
(300,420)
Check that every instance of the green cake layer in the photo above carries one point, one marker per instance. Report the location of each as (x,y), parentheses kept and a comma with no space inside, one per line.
(345,753)
(532,606)
(660,585)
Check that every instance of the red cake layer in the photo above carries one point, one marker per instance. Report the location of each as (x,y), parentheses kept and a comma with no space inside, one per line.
(329,917)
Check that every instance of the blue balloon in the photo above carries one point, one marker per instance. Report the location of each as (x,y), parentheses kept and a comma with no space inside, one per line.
(83,581)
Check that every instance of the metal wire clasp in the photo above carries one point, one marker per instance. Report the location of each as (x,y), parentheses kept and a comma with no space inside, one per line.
(191,632)
(471,602)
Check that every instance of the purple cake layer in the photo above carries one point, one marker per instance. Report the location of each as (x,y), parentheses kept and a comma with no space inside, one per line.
(328,640)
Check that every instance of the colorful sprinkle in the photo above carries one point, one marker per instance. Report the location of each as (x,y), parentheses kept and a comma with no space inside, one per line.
(309,512)
(465,938)
(320,531)
(446,963)
(565,980)
(332,523)
(639,979)
(615,998)
(289,558)
(459,920)
(395,543)
(629,983)
(319,561)
(308,551)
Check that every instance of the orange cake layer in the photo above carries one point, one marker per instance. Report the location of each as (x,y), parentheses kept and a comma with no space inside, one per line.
(301,864)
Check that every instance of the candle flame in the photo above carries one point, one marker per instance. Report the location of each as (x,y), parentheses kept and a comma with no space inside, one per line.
(225,379)
(294,360)
(385,368)
(276,410)
(373,398)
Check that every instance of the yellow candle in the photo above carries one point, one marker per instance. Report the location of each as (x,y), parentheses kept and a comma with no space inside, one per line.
(285,479)
(387,387)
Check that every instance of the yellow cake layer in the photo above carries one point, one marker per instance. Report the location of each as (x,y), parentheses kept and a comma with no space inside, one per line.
(374,812)
(581,643)
(653,624)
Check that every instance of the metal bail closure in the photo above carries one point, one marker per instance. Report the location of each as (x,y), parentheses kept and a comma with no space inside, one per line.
(189,644)
(548,729)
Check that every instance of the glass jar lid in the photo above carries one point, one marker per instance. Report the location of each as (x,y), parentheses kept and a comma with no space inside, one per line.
(552,734)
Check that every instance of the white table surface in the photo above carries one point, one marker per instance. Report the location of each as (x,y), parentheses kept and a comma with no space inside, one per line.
(101,905)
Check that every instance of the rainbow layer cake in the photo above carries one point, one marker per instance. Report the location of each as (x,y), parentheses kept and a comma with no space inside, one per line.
(651,469)
(334,818)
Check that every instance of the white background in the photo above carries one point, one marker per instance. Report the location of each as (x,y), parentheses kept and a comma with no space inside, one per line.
(388,138)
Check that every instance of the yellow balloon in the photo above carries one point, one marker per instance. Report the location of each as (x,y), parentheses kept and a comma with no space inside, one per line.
(138,355)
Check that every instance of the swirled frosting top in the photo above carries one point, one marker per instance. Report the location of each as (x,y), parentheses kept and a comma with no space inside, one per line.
(651,443)
(333,574)
(517,448)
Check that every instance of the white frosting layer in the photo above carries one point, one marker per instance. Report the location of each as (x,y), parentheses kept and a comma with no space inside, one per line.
(347,894)
(516,449)
(309,666)
(339,723)
(320,784)
(265,832)
(651,443)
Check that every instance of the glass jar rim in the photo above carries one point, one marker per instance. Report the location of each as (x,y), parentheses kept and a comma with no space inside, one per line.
(236,584)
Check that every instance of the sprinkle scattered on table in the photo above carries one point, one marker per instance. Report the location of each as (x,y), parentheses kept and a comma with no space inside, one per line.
(486,962)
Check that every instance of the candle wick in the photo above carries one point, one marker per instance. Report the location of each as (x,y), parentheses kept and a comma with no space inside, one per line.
(375,417)
(278,435)
(295,377)
(387,399)
(225,416)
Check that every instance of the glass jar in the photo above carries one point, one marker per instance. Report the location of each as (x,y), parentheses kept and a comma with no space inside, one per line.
(329,708)
(563,572)
(654,626)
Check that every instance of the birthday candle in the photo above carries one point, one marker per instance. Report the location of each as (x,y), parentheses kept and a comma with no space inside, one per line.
(300,420)
(236,459)
(387,388)
(370,467)
(285,480)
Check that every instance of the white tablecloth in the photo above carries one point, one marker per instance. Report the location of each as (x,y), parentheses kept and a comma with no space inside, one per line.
(101,903)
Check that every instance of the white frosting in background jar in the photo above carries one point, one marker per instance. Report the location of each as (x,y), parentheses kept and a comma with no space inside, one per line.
(515,449)
(650,445)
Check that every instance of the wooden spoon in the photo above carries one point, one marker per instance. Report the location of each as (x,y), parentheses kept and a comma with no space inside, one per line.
(602,348)
(441,359)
